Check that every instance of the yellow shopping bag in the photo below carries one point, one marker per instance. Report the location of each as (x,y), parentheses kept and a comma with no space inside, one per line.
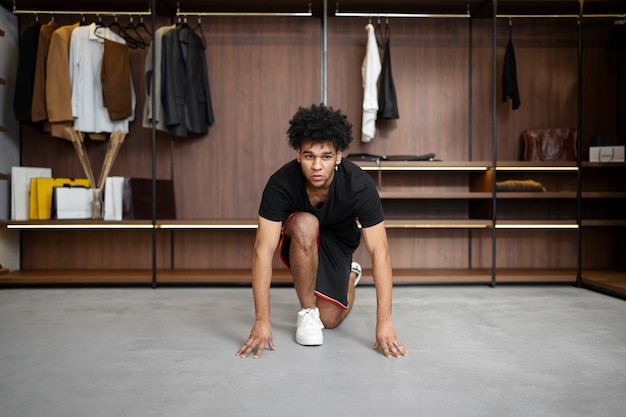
(40,207)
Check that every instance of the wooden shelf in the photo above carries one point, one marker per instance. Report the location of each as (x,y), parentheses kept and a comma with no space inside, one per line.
(208,224)
(223,224)
(77,224)
(536,166)
(423,165)
(603,223)
(76,277)
(605,280)
(437,224)
(603,194)
(540,275)
(535,195)
(416,195)
(619,165)
(536,224)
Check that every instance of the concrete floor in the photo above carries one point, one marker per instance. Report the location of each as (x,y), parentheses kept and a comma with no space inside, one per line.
(474,351)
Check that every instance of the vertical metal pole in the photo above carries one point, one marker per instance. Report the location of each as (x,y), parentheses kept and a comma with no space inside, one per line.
(153,99)
(470,64)
(495,144)
(578,145)
(324,53)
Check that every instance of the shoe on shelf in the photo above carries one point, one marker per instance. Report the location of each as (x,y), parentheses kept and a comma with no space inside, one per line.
(356,267)
(309,327)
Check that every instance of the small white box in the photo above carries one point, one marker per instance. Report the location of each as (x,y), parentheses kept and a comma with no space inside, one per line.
(75,203)
(606,154)
(113,198)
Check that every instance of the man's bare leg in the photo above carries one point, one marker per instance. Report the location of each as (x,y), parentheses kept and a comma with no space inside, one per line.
(303,230)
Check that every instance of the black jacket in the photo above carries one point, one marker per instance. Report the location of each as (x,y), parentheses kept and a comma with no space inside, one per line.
(185,86)
(509,77)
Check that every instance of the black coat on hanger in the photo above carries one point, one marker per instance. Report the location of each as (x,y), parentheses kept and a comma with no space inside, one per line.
(509,76)
(387,98)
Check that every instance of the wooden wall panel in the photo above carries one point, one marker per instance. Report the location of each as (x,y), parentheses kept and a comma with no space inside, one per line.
(603,248)
(482,90)
(536,249)
(214,249)
(431,72)
(260,71)
(423,248)
(92,249)
(604,89)
(546,53)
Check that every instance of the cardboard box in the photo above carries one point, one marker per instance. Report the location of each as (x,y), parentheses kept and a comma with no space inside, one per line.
(606,154)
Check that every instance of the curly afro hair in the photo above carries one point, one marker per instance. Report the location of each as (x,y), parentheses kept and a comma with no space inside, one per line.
(320,124)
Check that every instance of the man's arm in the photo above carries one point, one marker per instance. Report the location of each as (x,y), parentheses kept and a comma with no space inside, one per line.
(375,239)
(267,238)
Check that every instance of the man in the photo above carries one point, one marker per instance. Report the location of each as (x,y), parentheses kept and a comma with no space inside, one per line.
(310,207)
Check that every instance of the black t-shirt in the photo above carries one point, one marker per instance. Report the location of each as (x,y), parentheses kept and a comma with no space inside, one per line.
(352,195)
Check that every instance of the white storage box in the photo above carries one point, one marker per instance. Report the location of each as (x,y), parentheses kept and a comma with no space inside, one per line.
(606,154)
(75,203)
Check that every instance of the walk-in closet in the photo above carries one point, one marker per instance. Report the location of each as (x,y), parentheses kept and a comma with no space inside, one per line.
(447,220)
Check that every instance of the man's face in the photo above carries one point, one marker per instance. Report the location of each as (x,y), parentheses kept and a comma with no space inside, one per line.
(318,160)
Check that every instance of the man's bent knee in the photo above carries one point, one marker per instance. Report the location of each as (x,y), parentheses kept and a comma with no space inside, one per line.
(303,226)
(330,314)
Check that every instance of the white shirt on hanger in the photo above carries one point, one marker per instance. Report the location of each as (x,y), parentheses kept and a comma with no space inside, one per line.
(86,50)
(370,71)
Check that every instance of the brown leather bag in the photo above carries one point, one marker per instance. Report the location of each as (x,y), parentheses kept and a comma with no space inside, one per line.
(550,144)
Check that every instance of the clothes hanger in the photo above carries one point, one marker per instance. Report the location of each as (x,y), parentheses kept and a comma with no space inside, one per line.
(99,25)
(143,26)
(199,28)
(132,41)
(115,24)
(382,40)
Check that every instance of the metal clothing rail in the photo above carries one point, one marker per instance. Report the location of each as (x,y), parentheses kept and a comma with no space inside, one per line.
(556,16)
(264,14)
(78,12)
(402,15)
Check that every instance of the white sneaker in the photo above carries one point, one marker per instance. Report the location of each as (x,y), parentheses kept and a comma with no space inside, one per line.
(309,327)
(356,267)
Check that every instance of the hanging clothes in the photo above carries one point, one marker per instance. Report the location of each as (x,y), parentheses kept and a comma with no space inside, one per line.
(86,54)
(116,80)
(154,81)
(58,85)
(387,99)
(509,76)
(185,91)
(39,109)
(370,71)
(27,58)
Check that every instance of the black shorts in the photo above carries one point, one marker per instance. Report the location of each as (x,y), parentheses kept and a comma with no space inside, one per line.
(333,271)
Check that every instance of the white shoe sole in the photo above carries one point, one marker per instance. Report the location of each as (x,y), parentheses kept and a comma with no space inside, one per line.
(310,341)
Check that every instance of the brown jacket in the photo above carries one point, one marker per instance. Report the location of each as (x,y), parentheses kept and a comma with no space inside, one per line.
(58,87)
(38,108)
